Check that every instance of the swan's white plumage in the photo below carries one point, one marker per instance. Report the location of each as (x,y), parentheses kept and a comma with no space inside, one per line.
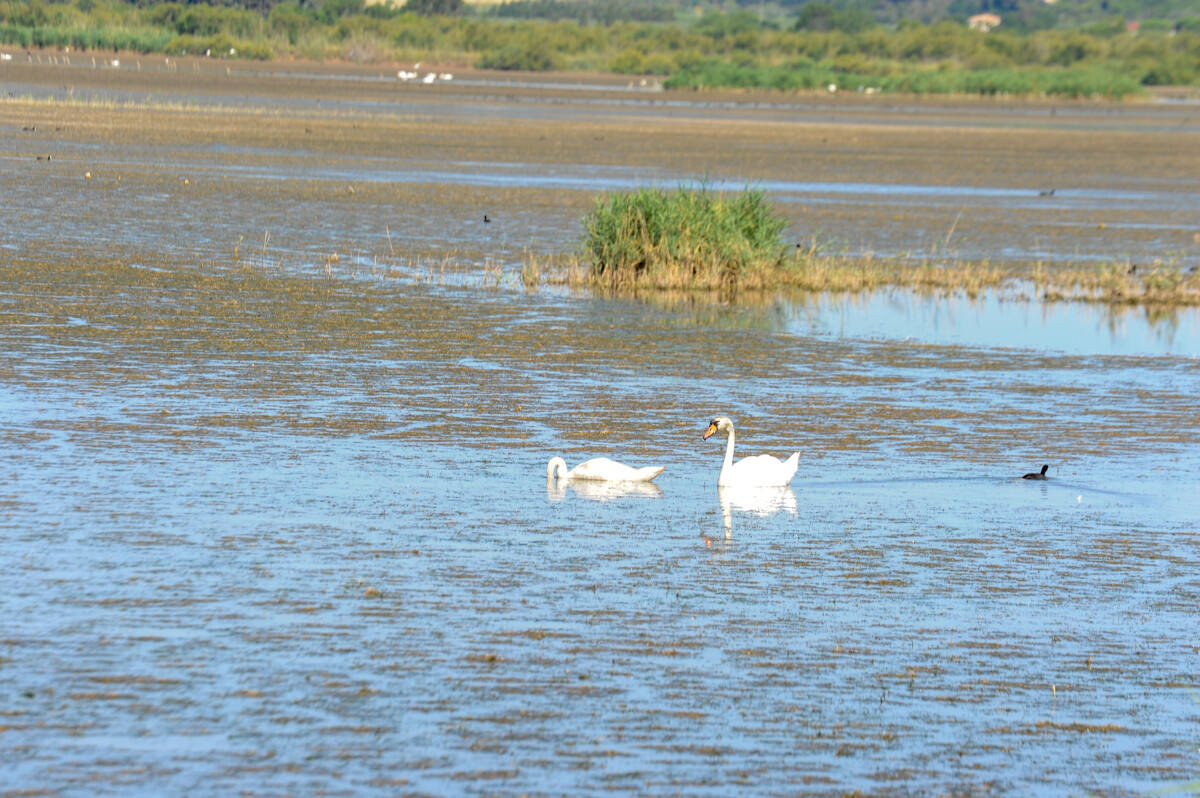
(762,471)
(601,469)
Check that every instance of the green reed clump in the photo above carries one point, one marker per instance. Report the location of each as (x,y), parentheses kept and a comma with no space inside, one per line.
(690,237)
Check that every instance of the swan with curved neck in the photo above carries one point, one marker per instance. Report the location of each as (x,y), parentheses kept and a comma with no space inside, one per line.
(600,469)
(760,471)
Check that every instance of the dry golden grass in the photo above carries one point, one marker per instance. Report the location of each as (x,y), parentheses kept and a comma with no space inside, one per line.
(1159,284)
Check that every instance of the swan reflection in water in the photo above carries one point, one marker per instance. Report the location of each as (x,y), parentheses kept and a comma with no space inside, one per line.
(759,502)
(556,490)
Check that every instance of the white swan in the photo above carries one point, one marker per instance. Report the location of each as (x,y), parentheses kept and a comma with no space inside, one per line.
(762,471)
(602,469)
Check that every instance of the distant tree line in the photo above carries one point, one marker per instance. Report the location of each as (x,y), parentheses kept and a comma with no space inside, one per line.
(836,42)
(585,12)
(849,16)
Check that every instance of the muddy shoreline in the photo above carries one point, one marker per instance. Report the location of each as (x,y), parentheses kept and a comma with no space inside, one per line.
(1003,182)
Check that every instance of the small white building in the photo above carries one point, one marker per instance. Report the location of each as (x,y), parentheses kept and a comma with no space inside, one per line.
(983,22)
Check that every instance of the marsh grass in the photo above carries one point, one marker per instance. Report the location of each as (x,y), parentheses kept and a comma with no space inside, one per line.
(693,239)
(1121,282)
(1163,285)
(689,237)
(1159,285)
(806,271)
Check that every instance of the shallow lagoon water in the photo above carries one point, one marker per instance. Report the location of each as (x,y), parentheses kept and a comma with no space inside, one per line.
(999,319)
(270,527)
(337,566)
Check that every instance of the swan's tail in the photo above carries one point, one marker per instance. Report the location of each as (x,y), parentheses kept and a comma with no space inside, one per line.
(791,465)
(648,473)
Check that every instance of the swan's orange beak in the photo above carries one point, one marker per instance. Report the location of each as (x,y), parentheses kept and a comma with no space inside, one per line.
(708,432)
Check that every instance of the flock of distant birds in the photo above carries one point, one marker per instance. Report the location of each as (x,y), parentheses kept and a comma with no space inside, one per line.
(430,77)
(758,471)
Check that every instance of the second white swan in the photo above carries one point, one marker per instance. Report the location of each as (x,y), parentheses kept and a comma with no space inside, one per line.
(760,471)
(601,469)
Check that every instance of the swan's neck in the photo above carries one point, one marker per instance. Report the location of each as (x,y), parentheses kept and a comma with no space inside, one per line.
(556,469)
(729,451)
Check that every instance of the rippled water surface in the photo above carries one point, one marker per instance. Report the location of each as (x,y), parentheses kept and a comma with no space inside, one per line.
(273,522)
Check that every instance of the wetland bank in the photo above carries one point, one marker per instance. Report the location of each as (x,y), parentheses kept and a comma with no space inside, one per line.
(277,410)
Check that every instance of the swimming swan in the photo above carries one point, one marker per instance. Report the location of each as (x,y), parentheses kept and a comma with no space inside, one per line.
(601,469)
(761,471)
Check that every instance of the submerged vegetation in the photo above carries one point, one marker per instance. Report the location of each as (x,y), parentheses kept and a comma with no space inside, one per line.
(737,49)
(696,240)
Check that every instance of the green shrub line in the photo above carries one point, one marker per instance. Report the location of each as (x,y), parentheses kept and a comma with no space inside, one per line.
(1078,82)
(98,38)
(736,49)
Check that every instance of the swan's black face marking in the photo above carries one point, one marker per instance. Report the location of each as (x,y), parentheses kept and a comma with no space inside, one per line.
(712,427)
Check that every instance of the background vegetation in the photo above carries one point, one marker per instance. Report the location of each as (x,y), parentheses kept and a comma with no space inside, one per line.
(1074,48)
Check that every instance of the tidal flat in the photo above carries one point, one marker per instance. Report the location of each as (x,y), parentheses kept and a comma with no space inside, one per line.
(276,407)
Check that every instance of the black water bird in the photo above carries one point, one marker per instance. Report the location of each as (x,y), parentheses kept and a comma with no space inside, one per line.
(486,219)
(1037,474)
(1047,192)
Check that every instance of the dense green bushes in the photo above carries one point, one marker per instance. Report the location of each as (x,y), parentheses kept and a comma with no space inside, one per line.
(1074,83)
(584,12)
(220,45)
(529,54)
(736,50)
(825,17)
(98,38)
(795,76)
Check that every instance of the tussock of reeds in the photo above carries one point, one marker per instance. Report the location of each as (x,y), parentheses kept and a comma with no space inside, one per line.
(691,237)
